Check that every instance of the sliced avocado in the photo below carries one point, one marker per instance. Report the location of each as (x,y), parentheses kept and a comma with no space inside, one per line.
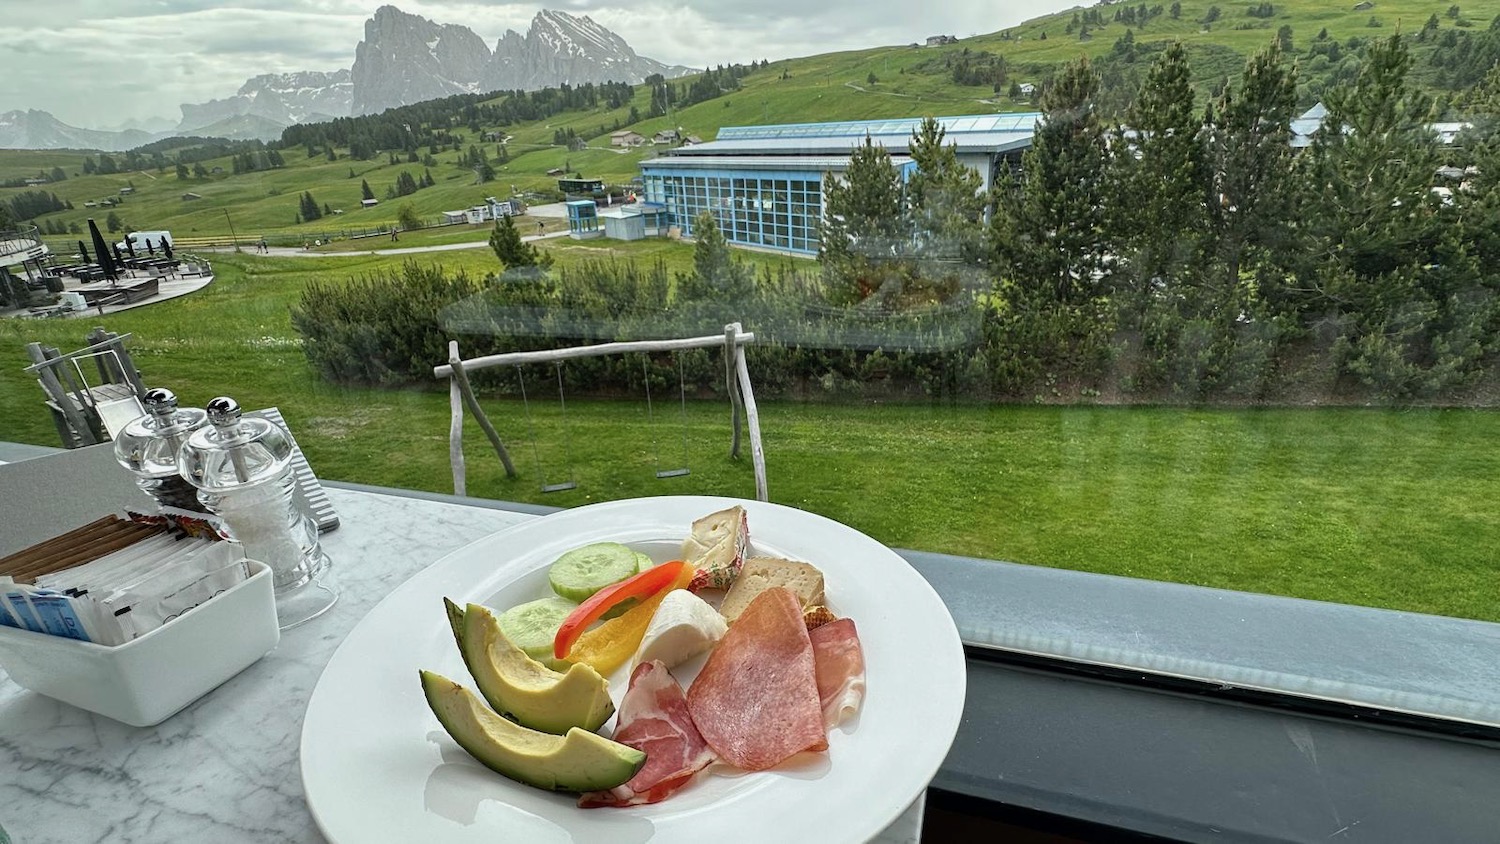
(579,761)
(531,693)
(455,621)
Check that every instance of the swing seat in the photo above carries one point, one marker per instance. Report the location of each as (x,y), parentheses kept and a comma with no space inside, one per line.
(673,473)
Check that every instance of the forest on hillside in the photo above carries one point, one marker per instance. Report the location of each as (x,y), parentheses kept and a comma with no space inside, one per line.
(1178,253)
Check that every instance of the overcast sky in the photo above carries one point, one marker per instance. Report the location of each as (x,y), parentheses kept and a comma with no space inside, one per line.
(100,63)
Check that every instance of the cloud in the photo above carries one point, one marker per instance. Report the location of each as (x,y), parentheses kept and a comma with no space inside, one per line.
(100,62)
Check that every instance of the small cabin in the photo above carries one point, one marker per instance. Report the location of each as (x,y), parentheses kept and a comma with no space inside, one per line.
(583,219)
(666,136)
(626,138)
(369,203)
(187,197)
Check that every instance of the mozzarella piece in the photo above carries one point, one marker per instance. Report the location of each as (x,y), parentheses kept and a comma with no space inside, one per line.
(683,627)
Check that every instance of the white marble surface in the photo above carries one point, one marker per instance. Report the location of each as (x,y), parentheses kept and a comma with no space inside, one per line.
(226,769)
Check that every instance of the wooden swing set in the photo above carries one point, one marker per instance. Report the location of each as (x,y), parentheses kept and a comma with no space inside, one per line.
(736,376)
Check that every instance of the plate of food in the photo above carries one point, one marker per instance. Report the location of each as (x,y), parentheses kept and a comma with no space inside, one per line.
(673,669)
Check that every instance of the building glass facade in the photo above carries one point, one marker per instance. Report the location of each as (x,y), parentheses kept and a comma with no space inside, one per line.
(775,209)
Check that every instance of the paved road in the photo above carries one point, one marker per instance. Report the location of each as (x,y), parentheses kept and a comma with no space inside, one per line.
(552,210)
(294,252)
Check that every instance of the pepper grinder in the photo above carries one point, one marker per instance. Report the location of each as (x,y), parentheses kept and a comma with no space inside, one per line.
(149,446)
(242,468)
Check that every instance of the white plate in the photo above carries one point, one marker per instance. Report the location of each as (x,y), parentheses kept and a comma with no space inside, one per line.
(377,766)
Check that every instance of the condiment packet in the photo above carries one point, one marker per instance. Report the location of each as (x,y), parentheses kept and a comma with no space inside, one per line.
(179,588)
(20,607)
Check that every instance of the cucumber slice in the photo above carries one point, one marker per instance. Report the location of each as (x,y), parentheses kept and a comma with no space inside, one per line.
(533,627)
(583,571)
(643,562)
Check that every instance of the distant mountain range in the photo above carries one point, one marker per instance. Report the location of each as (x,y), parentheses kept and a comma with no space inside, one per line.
(403,59)
(40,130)
(407,59)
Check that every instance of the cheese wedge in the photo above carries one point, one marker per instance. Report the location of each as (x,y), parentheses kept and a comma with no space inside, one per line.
(683,627)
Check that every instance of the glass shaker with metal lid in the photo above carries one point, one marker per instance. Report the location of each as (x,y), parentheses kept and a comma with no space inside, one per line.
(242,468)
(149,446)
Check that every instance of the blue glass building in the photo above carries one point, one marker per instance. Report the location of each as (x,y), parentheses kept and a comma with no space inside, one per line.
(764,184)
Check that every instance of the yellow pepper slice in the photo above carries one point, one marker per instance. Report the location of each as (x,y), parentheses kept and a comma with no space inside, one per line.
(611,644)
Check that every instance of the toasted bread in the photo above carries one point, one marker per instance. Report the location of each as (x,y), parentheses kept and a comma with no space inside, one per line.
(815,617)
(761,573)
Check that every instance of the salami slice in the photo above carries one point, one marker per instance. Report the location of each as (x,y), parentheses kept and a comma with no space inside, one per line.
(756,699)
(654,719)
(840,669)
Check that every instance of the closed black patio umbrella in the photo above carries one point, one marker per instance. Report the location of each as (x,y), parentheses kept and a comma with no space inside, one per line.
(150,247)
(119,259)
(106,263)
(166,248)
(130,246)
(83,253)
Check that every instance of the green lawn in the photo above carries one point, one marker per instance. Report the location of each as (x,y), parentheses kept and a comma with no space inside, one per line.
(1377,507)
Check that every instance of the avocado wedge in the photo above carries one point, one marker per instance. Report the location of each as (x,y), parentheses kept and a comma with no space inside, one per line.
(522,688)
(579,761)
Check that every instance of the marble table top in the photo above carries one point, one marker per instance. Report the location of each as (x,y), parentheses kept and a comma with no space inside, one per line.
(226,768)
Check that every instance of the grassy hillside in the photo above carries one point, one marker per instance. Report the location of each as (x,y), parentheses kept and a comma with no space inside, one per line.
(908,81)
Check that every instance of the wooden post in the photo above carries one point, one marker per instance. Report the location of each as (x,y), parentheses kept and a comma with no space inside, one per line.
(82,432)
(730,350)
(107,373)
(757,453)
(473,403)
(456,427)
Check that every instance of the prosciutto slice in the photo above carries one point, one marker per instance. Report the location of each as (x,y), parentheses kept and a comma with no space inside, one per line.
(654,719)
(756,700)
(840,669)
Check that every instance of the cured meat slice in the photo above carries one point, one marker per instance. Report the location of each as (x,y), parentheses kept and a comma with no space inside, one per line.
(654,719)
(756,699)
(840,668)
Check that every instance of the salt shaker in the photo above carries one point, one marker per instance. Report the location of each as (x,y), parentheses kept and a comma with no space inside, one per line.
(242,468)
(148,447)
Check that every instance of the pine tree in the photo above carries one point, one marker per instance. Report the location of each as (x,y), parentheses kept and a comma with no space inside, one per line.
(1156,182)
(512,252)
(309,208)
(716,274)
(364,190)
(864,225)
(1247,141)
(1397,264)
(946,205)
(1048,232)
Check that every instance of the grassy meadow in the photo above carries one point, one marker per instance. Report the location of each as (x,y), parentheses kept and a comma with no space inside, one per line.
(1378,507)
(910,81)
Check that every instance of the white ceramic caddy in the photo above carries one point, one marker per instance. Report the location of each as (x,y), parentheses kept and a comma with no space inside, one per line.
(147,680)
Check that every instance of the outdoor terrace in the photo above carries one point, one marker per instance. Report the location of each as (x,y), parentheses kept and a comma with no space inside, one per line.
(1098,708)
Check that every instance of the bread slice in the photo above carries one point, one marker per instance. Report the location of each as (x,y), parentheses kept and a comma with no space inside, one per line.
(761,573)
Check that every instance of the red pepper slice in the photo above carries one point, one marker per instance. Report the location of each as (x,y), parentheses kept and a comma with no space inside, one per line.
(643,585)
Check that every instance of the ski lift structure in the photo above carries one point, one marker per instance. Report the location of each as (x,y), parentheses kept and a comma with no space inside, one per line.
(736,374)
